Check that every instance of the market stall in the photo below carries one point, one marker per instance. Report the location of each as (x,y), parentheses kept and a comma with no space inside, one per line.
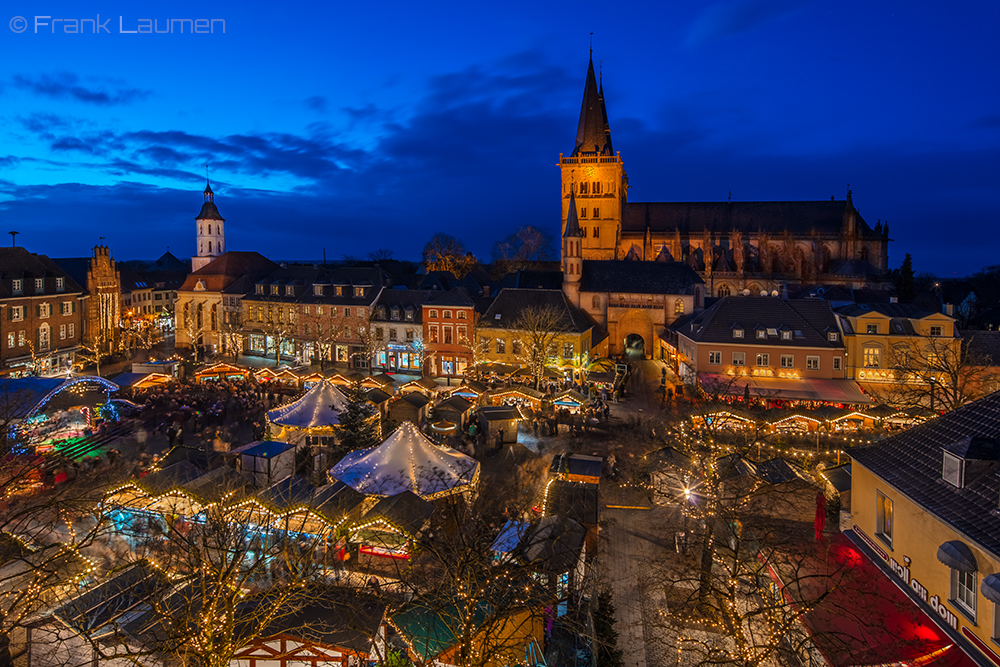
(315,415)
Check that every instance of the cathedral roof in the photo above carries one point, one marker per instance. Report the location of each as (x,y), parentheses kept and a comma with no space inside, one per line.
(593,134)
(209,211)
(603,276)
(798,217)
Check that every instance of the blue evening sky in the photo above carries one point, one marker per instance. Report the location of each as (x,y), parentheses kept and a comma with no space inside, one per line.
(351,126)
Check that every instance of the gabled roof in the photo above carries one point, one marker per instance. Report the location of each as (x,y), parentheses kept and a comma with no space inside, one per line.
(911,462)
(226,268)
(601,276)
(810,320)
(336,617)
(510,303)
(17,262)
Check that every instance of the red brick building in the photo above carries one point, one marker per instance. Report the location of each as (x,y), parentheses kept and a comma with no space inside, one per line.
(448,320)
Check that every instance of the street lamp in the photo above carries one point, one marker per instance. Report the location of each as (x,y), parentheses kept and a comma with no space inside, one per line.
(932,381)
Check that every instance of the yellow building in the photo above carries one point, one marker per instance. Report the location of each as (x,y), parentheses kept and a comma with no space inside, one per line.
(526,327)
(902,354)
(924,508)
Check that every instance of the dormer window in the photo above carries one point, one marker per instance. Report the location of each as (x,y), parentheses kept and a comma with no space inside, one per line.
(39,285)
(832,337)
(289,291)
(737,333)
(409,315)
(761,333)
(339,290)
(359,291)
(871,328)
(260,289)
(935,331)
(953,470)
(61,286)
(274,290)
(786,335)
(16,287)
(317,290)
(395,313)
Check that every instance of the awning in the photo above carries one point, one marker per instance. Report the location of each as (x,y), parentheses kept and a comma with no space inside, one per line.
(828,391)
(957,555)
(991,588)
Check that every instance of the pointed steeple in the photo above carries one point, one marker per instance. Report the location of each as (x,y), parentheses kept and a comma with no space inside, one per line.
(209,211)
(572,219)
(209,195)
(593,135)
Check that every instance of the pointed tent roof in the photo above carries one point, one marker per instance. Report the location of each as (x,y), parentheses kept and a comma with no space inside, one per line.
(321,406)
(593,135)
(407,461)
(572,220)
(209,211)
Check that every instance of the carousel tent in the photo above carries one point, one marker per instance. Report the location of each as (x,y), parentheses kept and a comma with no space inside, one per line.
(317,411)
(407,461)
(26,397)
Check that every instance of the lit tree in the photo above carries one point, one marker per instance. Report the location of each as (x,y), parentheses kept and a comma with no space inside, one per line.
(193,323)
(538,327)
(446,253)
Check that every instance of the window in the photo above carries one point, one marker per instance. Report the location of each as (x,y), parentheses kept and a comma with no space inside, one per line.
(515,346)
(448,340)
(679,307)
(409,315)
(871,328)
(883,518)
(432,334)
(462,315)
(583,212)
(501,346)
(568,350)
(305,310)
(935,331)
(739,358)
(446,314)
(787,361)
(61,285)
(597,232)
(39,285)
(715,358)
(952,470)
(394,314)
(260,289)
(763,359)
(71,326)
(409,335)
(62,332)
(317,290)
(347,332)
(761,333)
(836,363)
(584,188)
(378,333)
(289,291)
(393,334)
(596,188)
(10,340)
(16,287)
(339,290)
(319,310)
(16,313)
(597,213)
(347,312)
(963,591)
(359,291)
(812,363)
(832,337)
(20,338)
(463,335)
(737,333)
(786,334)
(432,313)
(274,290)
(870,357)
(43,337)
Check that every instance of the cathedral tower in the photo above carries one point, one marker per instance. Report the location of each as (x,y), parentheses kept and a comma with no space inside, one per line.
(572,254)
(594,176)
(211,231)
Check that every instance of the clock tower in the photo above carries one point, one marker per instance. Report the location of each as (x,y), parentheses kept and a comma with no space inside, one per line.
(593,176)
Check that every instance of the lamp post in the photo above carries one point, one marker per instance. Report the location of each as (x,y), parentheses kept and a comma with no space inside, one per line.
(932,381)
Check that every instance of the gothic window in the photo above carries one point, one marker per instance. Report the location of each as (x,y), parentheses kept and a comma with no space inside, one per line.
(679,307)
(597,212)
(584,230)
(584,188)
(723,290)
(597,232)
(583,212)
(597,187)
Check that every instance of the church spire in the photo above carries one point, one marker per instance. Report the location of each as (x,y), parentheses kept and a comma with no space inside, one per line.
(572,219)
(593,135)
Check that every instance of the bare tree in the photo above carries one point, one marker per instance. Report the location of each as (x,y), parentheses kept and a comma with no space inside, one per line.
(194,323)
(446,253)
(537,328)
(231,333)
(525,247)
(95,348)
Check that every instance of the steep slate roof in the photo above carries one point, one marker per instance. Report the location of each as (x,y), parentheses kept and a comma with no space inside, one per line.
(812,317)
(593,136)
(509,304)
(405,300)
(226,268)
(456,298)
(983,345)
(907,310)
(167,262)
(638,277)
(19,263)
(798,217)
(911,462)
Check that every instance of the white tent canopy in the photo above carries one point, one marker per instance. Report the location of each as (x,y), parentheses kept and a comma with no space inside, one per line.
(407,461)
(320,407)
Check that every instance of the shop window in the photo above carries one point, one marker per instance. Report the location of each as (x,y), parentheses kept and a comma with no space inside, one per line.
(883,518)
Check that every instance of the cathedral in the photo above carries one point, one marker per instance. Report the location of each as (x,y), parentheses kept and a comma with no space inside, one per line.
(735,247)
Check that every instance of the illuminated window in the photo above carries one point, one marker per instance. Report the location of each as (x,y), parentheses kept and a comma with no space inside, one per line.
(10,340)
(871,357)
(737,333)
(432,313)
(359,291)
(289,290)
(432,334)
(318,290)
(448,340)
(763,359)
(787,361)
(761,333)
(679,308)
(260,289)
(812,363)
(462,315)
(832,337)
(883,517)
(786,335)
(274,290)
(446,314)
(16,313)
(568,350)
(871,328)
(715,358)
(501,346)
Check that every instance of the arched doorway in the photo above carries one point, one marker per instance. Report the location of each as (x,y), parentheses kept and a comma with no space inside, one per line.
(635,346)
(635,334)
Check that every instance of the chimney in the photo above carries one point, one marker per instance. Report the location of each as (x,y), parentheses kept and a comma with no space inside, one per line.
(949,310)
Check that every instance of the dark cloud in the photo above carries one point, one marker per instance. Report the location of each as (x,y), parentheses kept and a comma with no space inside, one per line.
(726,19)
(65,85)
(316,103)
